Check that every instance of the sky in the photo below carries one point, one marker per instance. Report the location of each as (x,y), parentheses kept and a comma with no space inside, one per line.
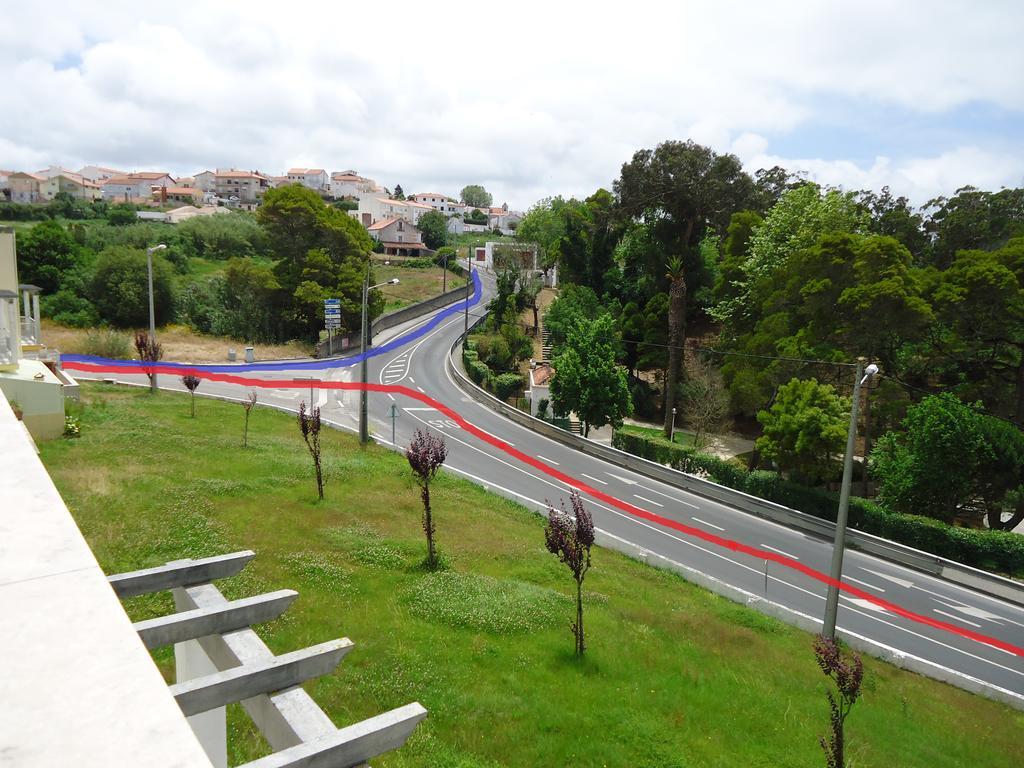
(530,99)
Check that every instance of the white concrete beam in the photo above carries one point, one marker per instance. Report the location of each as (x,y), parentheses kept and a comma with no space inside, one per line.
(236,614)
(181,573)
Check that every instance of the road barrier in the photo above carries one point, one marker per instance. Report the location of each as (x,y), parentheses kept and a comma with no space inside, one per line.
(958,573)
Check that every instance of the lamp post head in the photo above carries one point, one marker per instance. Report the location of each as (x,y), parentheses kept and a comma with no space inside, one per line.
(869,372)
(393,281)
(159,247)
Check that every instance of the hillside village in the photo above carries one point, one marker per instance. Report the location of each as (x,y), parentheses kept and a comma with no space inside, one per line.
(155,194)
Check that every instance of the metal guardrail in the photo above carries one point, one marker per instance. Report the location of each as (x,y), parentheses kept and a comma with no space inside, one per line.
(982,581)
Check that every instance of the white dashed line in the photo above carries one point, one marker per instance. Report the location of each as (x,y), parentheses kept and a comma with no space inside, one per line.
(863,583)
(595,479)
(773,549)
(549,461)
(671,498)
(649,501)
(709,525)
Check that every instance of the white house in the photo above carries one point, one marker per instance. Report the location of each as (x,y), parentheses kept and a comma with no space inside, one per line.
(135,187)
(247,186)
(373,209)
(314,178)
(440,202)
(527,254)
(98,174)
(206,181)
(24,187)
(351,184)
(72,184)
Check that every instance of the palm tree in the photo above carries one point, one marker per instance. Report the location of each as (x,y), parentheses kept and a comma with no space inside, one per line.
(676,335)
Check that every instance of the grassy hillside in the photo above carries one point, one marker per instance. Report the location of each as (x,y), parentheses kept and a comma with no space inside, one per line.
(674,676)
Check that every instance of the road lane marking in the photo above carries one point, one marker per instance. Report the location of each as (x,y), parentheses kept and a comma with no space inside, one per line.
(595,479)
(863,583)
(421,389)
(709,525)
(894,579)
(864,604)
(774,549)
(419,408)
(549,461)
(625,480)
(649,501)
(956,618)
(672,498)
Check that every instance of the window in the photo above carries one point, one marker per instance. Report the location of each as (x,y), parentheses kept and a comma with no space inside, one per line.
(401,227)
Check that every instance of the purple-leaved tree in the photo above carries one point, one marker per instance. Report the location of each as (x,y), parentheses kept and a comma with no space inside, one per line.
(426,453)
(570,537)
(191,384)
(847,673)
(309,426)
(249,403)
(150,352)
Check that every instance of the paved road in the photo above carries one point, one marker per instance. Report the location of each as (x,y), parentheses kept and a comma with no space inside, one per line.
(420,366)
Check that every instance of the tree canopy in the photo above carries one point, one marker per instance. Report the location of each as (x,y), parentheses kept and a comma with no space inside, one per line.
(476,195)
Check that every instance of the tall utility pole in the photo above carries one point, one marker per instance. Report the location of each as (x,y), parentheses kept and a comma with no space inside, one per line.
(469,283)
(839,546)
(152,314)
(364,335)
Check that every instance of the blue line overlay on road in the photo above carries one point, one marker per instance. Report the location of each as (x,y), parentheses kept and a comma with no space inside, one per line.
(343,362)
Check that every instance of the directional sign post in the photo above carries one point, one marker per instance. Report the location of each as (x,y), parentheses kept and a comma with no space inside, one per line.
(332,321)
(393,415)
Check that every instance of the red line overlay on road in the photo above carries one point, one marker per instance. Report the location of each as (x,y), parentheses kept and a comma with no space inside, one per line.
(624,506)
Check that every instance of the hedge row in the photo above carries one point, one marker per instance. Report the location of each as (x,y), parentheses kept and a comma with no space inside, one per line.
(992,550)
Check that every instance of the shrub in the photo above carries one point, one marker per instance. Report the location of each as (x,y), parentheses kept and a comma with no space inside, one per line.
(68,308)
(505,385)
(104,342)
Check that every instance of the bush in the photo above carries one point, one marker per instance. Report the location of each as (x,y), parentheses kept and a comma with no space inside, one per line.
(506,384)
(105,342)
(68,308)
(120,292)
(981,548)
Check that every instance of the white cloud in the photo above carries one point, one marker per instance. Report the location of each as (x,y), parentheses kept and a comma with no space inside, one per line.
(543,98)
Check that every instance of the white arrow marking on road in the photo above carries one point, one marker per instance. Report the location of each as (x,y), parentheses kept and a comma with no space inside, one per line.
(902,582)
(866,604)
(978,613)
(863,583)
(625,480)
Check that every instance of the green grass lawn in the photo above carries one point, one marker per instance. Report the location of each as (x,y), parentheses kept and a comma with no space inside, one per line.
(674,675)
(680,438)
(417,284)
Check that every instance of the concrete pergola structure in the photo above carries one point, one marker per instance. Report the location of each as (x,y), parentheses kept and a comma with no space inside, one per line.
(220,660)
(31,323)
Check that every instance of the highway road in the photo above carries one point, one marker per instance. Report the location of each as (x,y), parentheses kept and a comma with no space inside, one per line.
(420,366)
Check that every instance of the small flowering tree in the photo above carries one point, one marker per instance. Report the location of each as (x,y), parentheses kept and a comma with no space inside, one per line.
(847,673)
(309,426)
(426,453)
(150,353)
(191,384)
(570,538)
(249,403)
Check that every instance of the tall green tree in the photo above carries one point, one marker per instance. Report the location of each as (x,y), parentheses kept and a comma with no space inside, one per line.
(973,219)
(120,290)
(676,338)
(476,195)
(587,379)
(805,429)
(434,226)
(45,253)
(735,250)
(321,253)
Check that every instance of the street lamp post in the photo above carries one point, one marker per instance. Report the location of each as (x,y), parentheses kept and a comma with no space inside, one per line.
(838,547)
(364,334)
(469,282)
(444,274)
(672,428)
(152,314)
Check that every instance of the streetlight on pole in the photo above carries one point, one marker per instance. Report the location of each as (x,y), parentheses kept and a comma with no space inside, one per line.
(152,314)
(672,428)
(862,376)
(364,334)
(469,282)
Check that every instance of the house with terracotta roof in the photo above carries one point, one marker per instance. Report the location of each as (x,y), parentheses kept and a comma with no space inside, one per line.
(178,194)
(135,187)
(98,174)
(314,178)
(373,209)
(540,386)
(399,237)
(24,187)
(70,183)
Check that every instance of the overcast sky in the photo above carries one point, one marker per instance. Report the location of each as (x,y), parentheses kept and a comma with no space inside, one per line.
(529,99)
